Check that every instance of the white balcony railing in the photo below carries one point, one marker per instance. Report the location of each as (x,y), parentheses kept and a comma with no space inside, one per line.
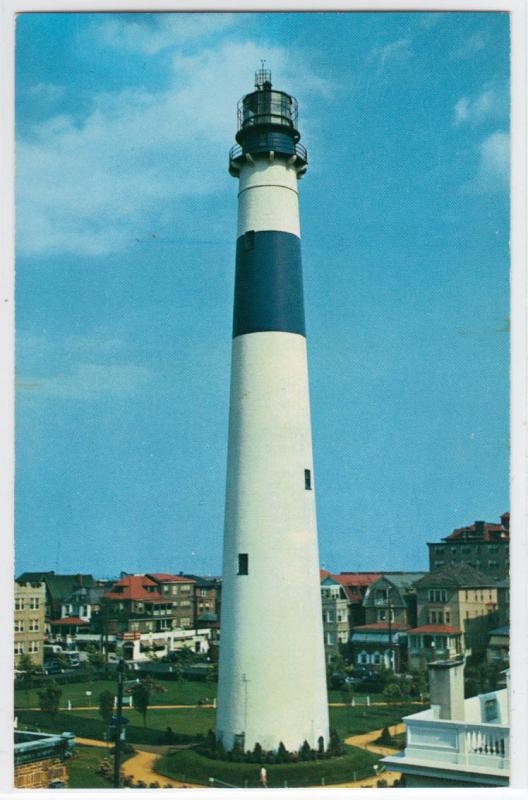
(482,747)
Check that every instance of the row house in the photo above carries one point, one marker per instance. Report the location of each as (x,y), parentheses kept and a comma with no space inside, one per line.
(457,606)
(342,598)
(390,611)
(58,588)
(483,545)
(29,620)
(140,608)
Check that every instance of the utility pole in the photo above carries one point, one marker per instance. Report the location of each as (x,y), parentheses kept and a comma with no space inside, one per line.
(117,752)
(389,614)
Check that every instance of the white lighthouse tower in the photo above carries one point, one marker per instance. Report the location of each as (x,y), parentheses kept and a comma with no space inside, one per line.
(272,685)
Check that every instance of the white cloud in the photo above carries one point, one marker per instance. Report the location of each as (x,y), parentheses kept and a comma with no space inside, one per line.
(149,34)
(393,51)
(471,46)
(92,186)
(493,171)
(490,103)
(47,91)
(90,381)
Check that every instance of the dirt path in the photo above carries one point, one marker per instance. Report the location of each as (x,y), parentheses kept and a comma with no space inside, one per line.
(365,741)
(141,767)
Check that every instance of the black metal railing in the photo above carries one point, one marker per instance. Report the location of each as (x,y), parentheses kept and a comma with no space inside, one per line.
(237,152)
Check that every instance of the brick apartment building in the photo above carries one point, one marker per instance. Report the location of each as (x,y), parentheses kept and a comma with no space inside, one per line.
(29,616)
(483,545)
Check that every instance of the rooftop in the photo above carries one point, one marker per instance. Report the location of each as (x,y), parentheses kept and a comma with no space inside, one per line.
(457,576)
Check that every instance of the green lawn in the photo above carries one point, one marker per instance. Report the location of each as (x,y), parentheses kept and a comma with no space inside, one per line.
(166,693)
(188,765)
(82,766)
(349,721)
(181,720)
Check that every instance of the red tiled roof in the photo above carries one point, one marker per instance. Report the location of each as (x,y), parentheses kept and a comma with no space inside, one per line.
(134,589)
(357,578)
(381,626)
(165,577)
(69,621)
(435,629)
(487,529)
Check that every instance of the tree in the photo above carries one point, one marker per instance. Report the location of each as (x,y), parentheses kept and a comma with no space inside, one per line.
(30,669)
(282,754)
(335,745)
(49,698)
(96,657)
(141,700)
(106,706)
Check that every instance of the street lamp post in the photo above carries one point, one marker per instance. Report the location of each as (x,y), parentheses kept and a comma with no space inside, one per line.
(117,752)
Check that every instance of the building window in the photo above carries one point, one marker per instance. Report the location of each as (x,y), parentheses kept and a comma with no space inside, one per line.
(34,625)
(185,621)
(447,617)
(243,565)
(493,564)
(33,647)
(19,626)
(330,640)
(34,603)
(376,658)
(363,658)
(438,564)
(307,479)
(19,603)
(437,595)
(249,240)
(19,648)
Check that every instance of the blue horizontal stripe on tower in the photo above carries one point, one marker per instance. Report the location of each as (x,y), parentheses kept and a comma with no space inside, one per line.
(268,283)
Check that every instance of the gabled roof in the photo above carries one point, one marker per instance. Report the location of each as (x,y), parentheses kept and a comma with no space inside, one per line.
(457,576)
(69,621)
(134,588)
(167,577)
(351,582)
(58,586)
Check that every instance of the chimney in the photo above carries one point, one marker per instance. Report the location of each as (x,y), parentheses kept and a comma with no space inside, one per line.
(446,688)
(479,528)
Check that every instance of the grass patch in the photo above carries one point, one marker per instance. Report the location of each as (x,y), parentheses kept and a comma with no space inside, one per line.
(352,720)
(89,725)
(82,766)
(168,693)
(190,766)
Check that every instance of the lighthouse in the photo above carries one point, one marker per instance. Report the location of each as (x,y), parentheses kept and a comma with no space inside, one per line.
(272,683)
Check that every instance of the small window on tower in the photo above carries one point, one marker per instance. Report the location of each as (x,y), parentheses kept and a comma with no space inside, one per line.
(243,564)
(249,240)
(307,479)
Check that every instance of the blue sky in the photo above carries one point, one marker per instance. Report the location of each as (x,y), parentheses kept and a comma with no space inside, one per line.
(126,224)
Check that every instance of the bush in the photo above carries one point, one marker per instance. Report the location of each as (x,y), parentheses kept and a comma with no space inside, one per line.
(385,737)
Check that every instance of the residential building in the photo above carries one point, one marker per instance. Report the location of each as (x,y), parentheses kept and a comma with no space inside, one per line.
(179,589)
(456,742)
(205,600)
(498,649)
(379,644)
(29,617)
(342,598)
(389,606)
(58,587)
(456,607)
(41,759)
(483,545)
(503,601)
(335,616)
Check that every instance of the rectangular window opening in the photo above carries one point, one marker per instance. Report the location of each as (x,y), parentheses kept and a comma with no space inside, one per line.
(308,479)
(243,566)
(249,240)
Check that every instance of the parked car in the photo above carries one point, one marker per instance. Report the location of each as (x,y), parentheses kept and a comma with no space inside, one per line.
(52,667)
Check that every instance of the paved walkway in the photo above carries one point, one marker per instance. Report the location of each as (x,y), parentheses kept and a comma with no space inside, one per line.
(141,765)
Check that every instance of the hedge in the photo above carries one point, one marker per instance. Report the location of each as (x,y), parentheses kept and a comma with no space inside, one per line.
(191,766)
(93,728)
